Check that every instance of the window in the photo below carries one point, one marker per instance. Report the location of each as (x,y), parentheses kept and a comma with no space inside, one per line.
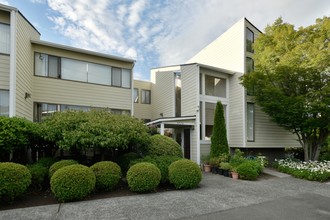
(46,65)
(100,74)
(116,77)
(215,86)
(177,83)
(126,78)
(73,70)
(249,65)
(250,122)
(4,102)
(136,95)
(249,40)
(146,96)
(43,110)
(4,38)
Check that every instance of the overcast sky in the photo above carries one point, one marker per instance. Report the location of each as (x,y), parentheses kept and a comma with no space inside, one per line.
(156,32)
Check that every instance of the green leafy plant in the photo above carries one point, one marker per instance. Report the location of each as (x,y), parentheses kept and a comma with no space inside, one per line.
(225,166)
(107,175)
(73,182)
(237,158)
(14,180)
(248,170)
(184,174)
(143,177)
(161,145)
(39,174)
(205,159)
(46,161)
(58,165)
(126,159)
(214,161)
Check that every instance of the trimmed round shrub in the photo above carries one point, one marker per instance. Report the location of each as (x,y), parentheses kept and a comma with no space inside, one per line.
(126,159)
(107,175)
(143,177)
(73,182)
(46,161)
(163,146)
(248,170)
(14,180)
(184,174)
(58,165)
(39,174)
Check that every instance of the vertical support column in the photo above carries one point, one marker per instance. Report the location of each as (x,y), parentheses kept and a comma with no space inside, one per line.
(162,128)
(12,65)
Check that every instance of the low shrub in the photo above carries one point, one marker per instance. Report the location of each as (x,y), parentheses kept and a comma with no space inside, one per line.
(126,159)
(58,165)
(184,174)
(162,162)
(39,175)
(248,170)
(143,177)
(72,182)
(163,146)
(14,180)
(107,175)
(46,161)
(237,158)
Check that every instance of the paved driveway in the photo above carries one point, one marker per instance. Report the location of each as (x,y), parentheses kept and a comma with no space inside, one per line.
(217,198)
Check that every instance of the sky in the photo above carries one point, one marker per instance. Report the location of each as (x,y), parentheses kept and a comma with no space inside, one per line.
(156,32)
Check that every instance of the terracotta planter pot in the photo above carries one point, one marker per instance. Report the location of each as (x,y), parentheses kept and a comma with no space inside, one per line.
(234,175)
(207,168)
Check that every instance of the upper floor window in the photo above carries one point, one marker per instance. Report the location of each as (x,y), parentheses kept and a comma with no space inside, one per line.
(145,96)
(215,86)
(249,65)
(70,69)
(4,38)
(250,122)
(136,95)
(4,102)
(249,40)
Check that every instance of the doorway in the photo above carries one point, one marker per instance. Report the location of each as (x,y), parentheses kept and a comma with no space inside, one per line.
(186,143)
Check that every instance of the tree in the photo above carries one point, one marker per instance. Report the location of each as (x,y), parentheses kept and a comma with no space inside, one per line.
(219,143)
(291,80)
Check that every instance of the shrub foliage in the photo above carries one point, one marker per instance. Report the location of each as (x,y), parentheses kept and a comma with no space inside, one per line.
(184,174)
(143,177)
(39,174)
(58,165)
(249,170)
(14,180)
(72,182)
(107,175)
(163,146)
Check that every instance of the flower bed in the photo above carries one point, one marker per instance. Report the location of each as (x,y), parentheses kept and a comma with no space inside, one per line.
(312,170)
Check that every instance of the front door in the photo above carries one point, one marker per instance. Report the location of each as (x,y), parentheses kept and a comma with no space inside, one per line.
(186,143)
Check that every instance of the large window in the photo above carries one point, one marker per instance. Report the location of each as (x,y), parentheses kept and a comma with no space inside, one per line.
(145,96)
(4,38)
(249,40)
(64,68)
(136,95)
(215,86)
(249,65)
(250,122)
(4,103)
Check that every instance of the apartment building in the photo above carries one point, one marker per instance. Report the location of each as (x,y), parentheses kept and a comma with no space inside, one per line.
(39,77)
(183,98)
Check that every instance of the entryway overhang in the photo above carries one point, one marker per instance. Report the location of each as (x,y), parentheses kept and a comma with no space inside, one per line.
(173,122)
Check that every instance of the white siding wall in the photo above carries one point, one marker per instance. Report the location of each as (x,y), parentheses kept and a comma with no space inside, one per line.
(189,89)
(4,72)
(142,111)
(163,94)
(24,66)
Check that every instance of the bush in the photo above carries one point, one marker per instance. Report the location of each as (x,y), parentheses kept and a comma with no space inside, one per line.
(237,158)
(126,159)
(39,174)
(184,174)
(248,170)
(107,175)
(46,161)
(72,182)
(162,162)
(163,146)
(58,165)
(14,180)
(143,177)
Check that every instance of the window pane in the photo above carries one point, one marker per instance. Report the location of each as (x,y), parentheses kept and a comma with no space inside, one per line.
(250,122)
(249,40)
(4,38)
(116,77)
(126,78)
(73,70)
(53,66)
(249,65)
(40,61)
(4,103)
(136,95)
(74,108)
(215,86)
(100,74)
(209,119)
(146,96)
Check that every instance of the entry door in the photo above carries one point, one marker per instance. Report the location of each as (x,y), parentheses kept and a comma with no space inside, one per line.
(186,143)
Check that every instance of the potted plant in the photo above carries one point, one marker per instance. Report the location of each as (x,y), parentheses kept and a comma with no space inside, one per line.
(214,162)
(234,173)
(224,157)
(206,163)
(225,166)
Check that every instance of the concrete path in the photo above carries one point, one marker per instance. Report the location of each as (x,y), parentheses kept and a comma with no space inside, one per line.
(217,197)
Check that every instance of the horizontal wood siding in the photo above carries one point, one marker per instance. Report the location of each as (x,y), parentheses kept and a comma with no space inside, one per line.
(189,89)
(162,95)
(4,72)
(24,67)
(142,111)
(59,91)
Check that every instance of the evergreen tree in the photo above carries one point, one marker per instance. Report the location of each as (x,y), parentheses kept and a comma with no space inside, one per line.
(219,143)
